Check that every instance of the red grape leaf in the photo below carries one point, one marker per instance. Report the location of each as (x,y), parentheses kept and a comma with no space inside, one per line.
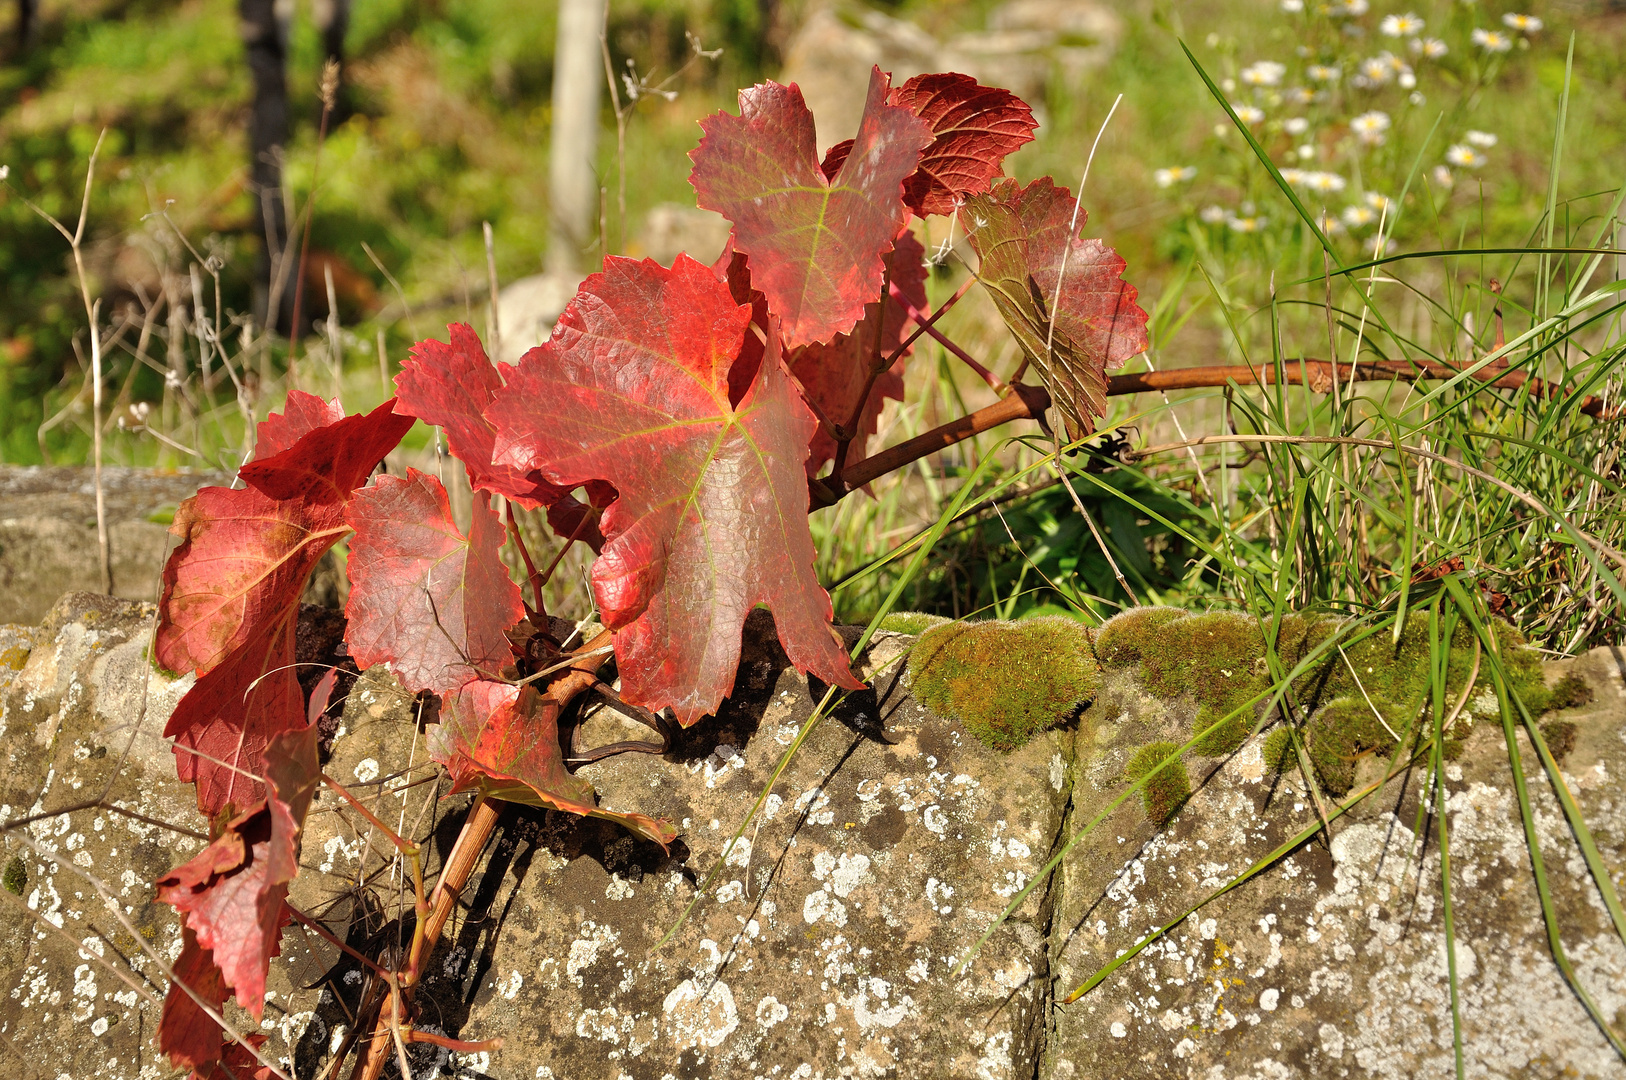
(187,1034)
(504,740)
(301,413)
(1022,236)
(833,375)
(814,244)
(633,388)
(237,1063)
(973,127)
(231,893)
(231,601)
(427,601)
(326,464)
(450,385)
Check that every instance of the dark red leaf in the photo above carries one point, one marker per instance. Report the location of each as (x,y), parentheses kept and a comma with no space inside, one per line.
(814,244)
(835,158)
(301,414)
(187,1034)
(326,464)
(974,128)
(504,740)
(834,375)
(237,1063)
(1023,237)
(427,601)
(450,385)
(712,515)
(231,893)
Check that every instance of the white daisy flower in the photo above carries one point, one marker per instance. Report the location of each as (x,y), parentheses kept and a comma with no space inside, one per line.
(1213,215)
(1169,177)
(1353,8)
(1491,40)
(1294,177)
(5,171)
(1323,73)
(1298,95)
(1295,125)
(1249,114)
(1378,202)
(1370,126)
(1465,156)
(1331,225)
(1416,98)
(1292,7)
(1306,152)
(1357,217)
(1443,177)
(1429,48)
(1405,25)
(1408,79)
(1246,224)
(1264,73)
(1524,24)
(1482,139)
(1376,70)
(1324,182)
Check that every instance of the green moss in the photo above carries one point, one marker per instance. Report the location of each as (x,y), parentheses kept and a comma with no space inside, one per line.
(1570,692)
(1218,659)
(911,622)
(1560,737)
(1006,682)
(1342,733)
(15,876)
(1279,754)
(1165,791)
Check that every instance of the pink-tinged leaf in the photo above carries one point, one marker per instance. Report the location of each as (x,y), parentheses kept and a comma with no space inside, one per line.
(327,463)
(449,385)
(1026,245)
(231,602)
(301,414)
(186,1034)
(231,893)
(814,244)
(974,128)
(834,375)
(425,600)
(240,567)
(504,740)
(633,388)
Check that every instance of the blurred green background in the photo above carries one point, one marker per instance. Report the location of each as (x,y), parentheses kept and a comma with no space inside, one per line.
(444,121)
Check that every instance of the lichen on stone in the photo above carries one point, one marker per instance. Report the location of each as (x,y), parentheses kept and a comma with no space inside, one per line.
(1167,788)
(1005,681)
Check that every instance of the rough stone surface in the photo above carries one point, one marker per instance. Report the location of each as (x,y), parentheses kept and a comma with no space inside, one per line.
(826,949)
(48,532)
(1333,963)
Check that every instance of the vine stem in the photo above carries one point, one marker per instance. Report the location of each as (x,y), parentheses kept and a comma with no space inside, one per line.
(459,867)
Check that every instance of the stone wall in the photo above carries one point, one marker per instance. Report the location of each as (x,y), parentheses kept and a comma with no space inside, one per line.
(829,946)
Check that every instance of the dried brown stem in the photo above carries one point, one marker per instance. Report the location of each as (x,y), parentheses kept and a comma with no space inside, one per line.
(1319,375)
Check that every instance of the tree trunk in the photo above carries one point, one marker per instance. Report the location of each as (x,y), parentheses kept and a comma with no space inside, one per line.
(332,18)
(264,25)
(26,12)
(578,77)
